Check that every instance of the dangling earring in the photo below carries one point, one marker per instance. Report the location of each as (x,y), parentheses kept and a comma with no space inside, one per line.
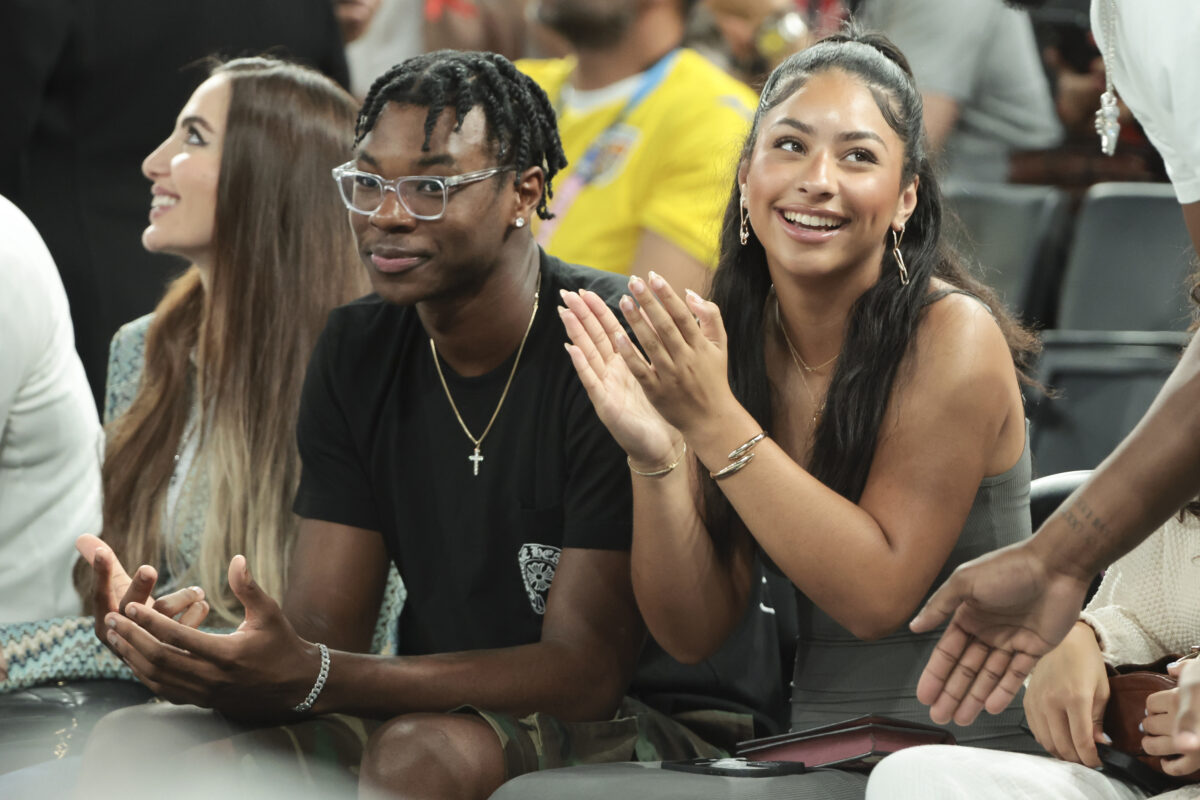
(744,231)
(519,222)
(896,254)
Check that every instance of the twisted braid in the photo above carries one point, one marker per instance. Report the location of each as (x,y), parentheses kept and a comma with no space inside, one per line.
(520,120)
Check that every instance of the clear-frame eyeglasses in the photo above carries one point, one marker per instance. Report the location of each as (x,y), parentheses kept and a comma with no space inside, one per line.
(423,196)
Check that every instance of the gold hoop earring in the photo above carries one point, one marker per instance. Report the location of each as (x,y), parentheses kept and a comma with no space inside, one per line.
(744,231)
(896,254)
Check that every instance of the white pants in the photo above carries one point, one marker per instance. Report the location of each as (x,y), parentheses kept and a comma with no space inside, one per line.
(944,771)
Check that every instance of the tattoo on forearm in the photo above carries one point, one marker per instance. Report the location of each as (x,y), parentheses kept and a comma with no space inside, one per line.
(1083,519)
(1097,524)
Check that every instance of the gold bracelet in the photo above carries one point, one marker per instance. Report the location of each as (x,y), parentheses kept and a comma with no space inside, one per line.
(745,447)
(732,468)
(658,473)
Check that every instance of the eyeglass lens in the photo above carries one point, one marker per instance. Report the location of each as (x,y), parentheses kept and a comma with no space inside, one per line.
(422,196)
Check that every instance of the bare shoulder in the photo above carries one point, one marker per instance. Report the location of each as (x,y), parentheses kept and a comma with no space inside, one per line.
(959,337)
(958,382)
(960,360)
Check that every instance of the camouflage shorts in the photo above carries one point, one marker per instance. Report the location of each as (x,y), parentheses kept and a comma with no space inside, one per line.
(328,749)
(635,733)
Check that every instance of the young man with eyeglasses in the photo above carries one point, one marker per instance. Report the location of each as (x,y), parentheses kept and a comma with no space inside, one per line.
(443,427)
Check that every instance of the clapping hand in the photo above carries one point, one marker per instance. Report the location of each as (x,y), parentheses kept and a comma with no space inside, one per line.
(113,589)
(597,337)
(650,402)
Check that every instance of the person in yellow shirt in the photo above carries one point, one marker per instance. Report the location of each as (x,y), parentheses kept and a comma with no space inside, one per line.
(651,132)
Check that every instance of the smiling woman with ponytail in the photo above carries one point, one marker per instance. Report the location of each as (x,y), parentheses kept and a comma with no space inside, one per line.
(845,406)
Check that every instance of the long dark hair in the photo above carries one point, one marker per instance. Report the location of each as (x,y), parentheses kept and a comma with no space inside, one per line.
(882,322)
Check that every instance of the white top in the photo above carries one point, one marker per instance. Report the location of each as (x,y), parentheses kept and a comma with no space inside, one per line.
(1148,604)
(1155,67)
(50,435)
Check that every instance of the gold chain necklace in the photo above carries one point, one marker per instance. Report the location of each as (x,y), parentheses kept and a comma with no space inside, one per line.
(801,367)
(804,364)
(475,458)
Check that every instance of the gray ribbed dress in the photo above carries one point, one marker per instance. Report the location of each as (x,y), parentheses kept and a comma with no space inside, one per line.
(837,677)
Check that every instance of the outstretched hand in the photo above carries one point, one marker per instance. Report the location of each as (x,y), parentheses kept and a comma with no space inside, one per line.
(1006,610)
(261,670)
(113,588)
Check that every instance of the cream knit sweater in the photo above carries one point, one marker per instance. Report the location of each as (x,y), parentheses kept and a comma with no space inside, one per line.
(1148,604)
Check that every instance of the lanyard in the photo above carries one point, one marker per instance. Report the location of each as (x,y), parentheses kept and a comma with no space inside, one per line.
(587,171)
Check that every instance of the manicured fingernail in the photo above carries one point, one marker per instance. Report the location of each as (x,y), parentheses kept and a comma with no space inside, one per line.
(111,620)
(562,293)
(1145,712)
(1104,737)
(1174,664)
(112,637)
(692,295)
(622,340)
(656,280)
(562,311)
(131,611)
(1141,727)
(637,285)
(626,303)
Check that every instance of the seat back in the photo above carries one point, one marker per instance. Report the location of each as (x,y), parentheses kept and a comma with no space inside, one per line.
(1017,234)
(1104,387)
(1129,261)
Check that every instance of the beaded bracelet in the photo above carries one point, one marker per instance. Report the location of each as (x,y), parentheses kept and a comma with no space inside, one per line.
(658,473)
(319,685)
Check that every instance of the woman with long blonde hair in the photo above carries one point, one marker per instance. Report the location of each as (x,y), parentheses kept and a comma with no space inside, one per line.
(200,461)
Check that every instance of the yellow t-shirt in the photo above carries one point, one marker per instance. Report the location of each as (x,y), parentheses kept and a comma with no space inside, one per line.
(668,167)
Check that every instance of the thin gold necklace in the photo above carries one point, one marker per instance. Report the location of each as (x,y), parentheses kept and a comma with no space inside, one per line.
(818,407)
(475,458)
(804,364)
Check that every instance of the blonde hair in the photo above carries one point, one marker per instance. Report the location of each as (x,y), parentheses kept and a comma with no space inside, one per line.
(284,256)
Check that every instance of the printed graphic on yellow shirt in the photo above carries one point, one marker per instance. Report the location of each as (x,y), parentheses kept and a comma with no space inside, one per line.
(666,166)
(614,145)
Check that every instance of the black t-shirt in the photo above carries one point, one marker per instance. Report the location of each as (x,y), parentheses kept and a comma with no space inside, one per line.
(382,450)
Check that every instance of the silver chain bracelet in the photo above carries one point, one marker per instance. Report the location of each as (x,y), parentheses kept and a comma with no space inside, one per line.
(319,685)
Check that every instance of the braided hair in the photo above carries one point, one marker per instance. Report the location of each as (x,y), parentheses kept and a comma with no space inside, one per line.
(520,119)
